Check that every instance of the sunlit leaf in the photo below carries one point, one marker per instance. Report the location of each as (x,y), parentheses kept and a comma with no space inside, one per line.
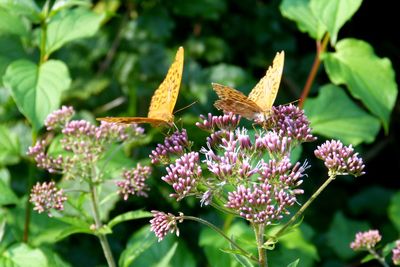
(71,25)
(9,146)
(301,12)
(369,78)
(11,23)
(7,196)
(335,115)
(334,13)
(37,89)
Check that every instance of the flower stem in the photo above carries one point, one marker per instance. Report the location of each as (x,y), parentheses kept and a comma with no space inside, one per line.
(262,255)
(321,47)
(305,206)
(378,257)
(102,237)
(234,244)
(43,37)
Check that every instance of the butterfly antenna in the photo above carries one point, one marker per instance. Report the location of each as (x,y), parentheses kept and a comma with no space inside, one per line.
(297,100)
(188,106)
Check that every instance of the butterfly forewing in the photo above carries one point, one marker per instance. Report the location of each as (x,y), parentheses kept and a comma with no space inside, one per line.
(264,93)
(164,98)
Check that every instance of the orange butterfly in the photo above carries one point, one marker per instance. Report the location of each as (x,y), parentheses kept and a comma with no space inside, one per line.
(260,100)
(164,98)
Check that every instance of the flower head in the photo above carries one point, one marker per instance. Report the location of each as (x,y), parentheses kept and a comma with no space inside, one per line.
(162,223)
(396,253)
(366,240)
(176,144)
(290,121)
(183,175)
(57,119)
(46,196)
(340,159)
(134,181)
(227,122)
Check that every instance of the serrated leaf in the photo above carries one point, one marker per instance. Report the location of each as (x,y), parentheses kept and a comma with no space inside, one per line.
(7,196)
(300,12)
(334,14)
(130,215)
(341,233)
(9,147)
(394,210)
(37,89)
(69,25)
(335,115)
(11,23)
(368,77)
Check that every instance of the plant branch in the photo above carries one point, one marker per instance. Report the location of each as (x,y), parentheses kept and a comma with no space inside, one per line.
(262,255)
(378,257)
(247,254)
(305,206)
(321,47)
(102,237)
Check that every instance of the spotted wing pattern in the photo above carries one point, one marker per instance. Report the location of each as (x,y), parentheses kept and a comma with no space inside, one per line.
(164,98)
(264,93)
(231,100)
(261,98)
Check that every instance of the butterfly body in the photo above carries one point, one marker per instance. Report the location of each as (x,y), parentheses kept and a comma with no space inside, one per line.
(163,100)
(257,106)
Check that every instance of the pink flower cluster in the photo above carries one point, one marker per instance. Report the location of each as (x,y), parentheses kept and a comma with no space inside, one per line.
(366,240)
(47,196)
(134,181)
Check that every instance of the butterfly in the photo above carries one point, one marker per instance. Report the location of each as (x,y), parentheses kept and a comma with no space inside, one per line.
(257,106)
(163,100)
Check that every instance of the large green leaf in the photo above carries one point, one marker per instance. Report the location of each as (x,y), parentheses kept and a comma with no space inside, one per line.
(9,146)
(368,77)
(69,25)
(334,13)
(341,233)
(301,12)
(335,115)
(130,215)
(37,89)
(26,8)
(11,23)
(394,211)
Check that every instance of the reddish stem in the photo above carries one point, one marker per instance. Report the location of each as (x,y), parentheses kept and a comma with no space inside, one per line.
(321,47)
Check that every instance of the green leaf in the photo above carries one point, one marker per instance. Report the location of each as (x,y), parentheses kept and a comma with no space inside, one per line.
(334,13)
(7,196)
(26,8)
(368,77)
(335,115)
(296,239)
(204,9)
(11,23)
(294,264)
(341,233)
(37,89)
(144,250)
(130,215)
(300,12)
(167,256)
(24,256)
(394,210)
(69,25)
(9,147)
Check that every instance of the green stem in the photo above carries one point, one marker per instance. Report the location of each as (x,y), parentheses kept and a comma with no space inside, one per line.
(378,257)
(305,206)
(31,174)
(262,255)
(43,37)
(234,244)
(102,237)
(321,47)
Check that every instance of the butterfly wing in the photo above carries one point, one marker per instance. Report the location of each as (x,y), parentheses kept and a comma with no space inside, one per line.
(264,93)
(231,100)
(163,101)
